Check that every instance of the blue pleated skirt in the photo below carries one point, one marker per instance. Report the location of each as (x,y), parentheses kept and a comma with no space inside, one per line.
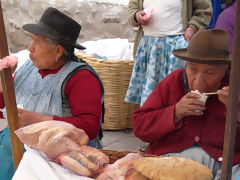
(153,62)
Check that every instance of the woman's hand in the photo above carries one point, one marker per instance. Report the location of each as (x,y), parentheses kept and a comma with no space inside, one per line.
(223,97)
(28,118)
(141,19)
(189,105)
(9,62)
(189,33)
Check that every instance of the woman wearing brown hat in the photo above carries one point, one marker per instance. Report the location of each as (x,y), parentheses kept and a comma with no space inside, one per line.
(53,84)
(176,122)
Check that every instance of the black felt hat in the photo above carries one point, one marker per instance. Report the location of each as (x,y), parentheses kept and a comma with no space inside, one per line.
(56,25)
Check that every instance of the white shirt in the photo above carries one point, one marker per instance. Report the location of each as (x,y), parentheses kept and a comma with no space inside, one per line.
(166,19)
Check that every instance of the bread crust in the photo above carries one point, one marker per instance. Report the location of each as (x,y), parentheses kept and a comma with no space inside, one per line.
(138,176)
(172,168)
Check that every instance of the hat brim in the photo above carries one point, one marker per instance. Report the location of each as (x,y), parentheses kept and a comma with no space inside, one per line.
(184,55)
(38,30)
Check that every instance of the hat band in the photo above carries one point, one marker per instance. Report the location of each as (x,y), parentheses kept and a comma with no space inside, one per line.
(53,33)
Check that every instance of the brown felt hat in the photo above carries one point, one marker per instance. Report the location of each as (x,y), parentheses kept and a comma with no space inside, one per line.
(206,47)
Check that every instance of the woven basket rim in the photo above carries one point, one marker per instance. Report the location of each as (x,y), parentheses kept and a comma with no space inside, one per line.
(114,155)
(124,151)
(103,60)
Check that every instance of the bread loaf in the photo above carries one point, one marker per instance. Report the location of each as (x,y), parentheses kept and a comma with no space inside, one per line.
(170,168)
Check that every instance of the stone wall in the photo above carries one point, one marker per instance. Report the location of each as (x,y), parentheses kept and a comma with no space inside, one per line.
(100,19)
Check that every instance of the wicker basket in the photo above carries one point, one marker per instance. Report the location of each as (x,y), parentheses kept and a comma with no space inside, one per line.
(115,75)
(115,155)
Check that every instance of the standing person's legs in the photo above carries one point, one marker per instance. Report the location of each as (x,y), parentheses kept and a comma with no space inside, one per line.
(6,159)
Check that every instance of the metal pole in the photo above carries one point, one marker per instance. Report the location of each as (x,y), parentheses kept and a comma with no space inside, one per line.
(232,111)
(9,97)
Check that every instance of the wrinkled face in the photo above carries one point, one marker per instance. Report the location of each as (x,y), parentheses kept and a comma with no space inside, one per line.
(42,53)
(205,77)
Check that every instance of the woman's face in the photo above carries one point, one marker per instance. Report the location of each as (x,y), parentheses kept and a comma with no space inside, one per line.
(205,77)
(42,53)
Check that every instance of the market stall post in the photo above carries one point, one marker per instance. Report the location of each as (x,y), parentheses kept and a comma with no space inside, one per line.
(233,102)
(9,97)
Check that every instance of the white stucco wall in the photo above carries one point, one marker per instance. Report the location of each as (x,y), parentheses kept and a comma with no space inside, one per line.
(100,19)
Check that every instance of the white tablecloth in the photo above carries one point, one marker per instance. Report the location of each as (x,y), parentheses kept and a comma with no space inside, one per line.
(34,166)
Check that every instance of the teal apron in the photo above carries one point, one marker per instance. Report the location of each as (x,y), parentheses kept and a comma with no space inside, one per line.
(6,160)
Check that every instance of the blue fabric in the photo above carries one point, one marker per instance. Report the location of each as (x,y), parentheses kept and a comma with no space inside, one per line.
(6,165)
(154,61)
(41,95)
(216,4)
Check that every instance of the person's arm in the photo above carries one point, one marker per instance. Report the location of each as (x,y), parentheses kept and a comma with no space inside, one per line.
(223,97)
(133,8)
(223,20)
(166,109)
(226,21)
(155,119)
(84,94)
(202,14)
(9,61)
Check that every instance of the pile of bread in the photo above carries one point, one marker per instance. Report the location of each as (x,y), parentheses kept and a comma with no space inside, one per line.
(66,145)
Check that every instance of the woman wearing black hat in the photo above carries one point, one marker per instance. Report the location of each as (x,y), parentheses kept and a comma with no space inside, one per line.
(53,84)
